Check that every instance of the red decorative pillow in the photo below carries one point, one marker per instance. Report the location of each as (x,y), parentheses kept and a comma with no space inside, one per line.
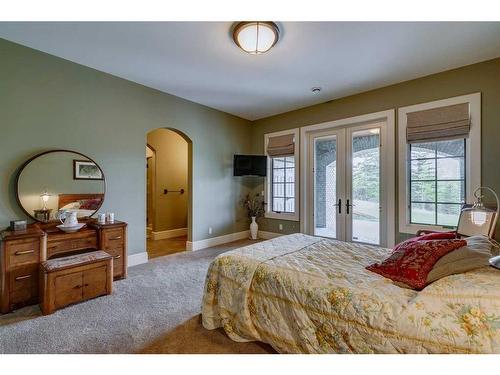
(430,236)
(90,204)
(412,261)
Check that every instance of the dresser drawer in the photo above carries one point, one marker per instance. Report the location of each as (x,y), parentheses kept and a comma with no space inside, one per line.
(22,252)
(117,255)
(113,238)
(23,286)
(55,247)
(118,270)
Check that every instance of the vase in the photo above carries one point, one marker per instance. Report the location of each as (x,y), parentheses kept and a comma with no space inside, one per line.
(254,229)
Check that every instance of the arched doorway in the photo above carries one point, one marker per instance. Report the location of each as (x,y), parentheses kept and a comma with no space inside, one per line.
(168,191)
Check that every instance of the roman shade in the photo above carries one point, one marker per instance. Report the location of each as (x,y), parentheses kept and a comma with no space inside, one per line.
(283,145)
(448,122)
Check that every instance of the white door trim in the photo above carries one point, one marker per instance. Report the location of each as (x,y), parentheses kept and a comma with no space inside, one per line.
(388,140)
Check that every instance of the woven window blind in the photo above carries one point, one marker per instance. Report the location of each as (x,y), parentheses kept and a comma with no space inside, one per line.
(448,122)
(283,145)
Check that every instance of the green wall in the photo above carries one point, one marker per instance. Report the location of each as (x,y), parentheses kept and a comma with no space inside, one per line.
(47,103)
(483,77)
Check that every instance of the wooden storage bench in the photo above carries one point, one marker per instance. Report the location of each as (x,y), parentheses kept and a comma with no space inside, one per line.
(73,279)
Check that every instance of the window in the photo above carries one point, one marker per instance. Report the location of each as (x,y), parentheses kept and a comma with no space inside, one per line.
(283,184)
(439,161)
(437,182)
(282,181)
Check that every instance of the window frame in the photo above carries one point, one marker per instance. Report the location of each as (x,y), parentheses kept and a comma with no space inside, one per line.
(472,157)
(269,213)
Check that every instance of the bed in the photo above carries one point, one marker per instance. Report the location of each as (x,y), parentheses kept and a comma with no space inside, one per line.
(305,294)
(85,204)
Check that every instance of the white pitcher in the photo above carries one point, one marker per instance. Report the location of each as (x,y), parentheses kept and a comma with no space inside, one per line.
(68,218)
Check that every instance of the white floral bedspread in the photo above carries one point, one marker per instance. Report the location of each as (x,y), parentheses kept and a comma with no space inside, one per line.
(304,294)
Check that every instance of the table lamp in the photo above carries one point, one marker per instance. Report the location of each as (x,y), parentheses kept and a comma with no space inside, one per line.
(480,215)
(45,198)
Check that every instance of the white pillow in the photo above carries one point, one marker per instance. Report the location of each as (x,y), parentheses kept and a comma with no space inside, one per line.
(71,206)
(475,255)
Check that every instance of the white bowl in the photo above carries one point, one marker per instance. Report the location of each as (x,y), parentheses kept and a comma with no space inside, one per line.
(72,229)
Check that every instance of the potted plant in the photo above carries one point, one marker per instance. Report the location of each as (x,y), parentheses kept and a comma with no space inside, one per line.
(255,209)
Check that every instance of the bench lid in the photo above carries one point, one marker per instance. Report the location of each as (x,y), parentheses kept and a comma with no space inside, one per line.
(75,260)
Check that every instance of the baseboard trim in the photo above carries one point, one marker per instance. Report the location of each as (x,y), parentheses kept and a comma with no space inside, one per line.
(268,235)
(214,241)
(161,235)
(136,259)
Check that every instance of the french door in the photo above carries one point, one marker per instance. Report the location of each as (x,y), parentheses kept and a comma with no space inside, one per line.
(346,184)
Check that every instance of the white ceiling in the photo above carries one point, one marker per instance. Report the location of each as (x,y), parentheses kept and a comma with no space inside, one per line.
(198,60)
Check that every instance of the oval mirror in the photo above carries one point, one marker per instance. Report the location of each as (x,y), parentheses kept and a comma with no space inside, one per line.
(60,180)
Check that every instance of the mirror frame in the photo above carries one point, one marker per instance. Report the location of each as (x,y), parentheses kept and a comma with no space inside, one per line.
(27,162)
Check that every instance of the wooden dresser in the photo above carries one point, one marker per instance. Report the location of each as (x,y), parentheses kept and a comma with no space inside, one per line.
(22,252)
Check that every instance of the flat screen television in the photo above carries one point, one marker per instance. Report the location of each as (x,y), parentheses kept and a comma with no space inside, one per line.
(250,165)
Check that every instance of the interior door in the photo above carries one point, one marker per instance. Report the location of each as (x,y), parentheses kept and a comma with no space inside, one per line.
(346,184)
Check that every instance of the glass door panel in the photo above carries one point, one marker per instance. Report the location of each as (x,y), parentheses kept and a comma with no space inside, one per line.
(325,186)
(363,209)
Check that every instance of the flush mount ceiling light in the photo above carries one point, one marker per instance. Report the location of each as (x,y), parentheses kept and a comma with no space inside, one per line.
(256,37)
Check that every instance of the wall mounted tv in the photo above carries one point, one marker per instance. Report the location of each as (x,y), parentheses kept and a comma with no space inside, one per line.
(250,165)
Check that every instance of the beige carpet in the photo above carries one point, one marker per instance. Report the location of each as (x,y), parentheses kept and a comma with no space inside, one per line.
(155,310)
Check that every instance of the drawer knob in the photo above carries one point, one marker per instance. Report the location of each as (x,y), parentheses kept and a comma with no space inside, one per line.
(116,238)
(22,277)
(77,287)
(24,252)
(117,256)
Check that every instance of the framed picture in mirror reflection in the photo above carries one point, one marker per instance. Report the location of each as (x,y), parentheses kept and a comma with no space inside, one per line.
(86,170)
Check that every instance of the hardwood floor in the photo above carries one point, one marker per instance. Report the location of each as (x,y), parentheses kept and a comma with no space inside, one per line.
(167,246)
(174,245)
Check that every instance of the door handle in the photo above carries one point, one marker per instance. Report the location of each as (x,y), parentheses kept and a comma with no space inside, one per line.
(347,206)
(339,205)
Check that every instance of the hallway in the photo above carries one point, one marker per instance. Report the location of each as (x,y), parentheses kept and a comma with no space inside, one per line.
(167,246)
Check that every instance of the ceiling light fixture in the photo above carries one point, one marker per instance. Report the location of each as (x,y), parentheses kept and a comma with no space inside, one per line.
(256,37)
(316,90)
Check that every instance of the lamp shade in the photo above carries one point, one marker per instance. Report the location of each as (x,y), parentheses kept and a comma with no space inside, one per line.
(478,219)
(45,196)
(256,37)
